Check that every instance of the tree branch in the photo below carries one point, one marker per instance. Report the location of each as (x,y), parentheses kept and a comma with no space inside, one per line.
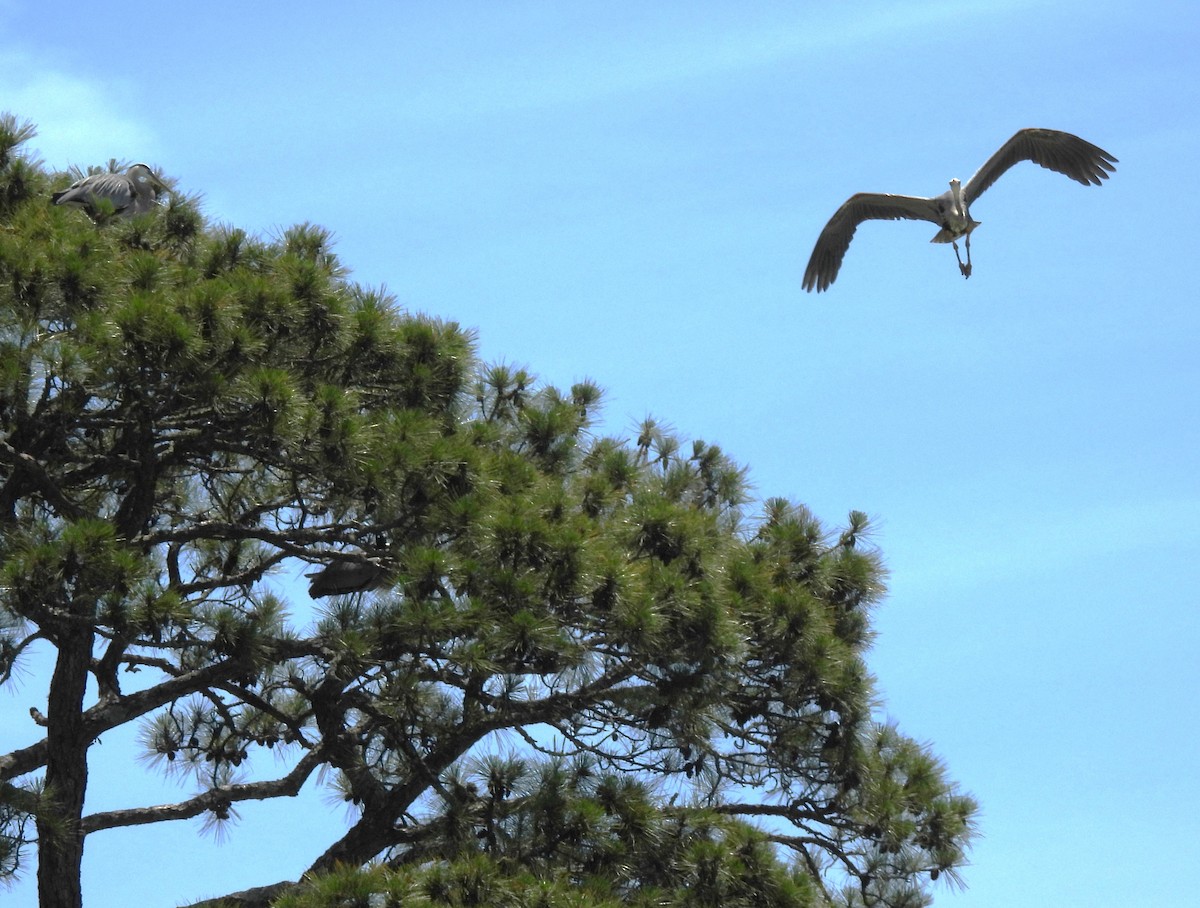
(110,714)
(286,786)
(28,464)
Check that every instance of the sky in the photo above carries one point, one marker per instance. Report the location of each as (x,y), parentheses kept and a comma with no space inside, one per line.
(629,192)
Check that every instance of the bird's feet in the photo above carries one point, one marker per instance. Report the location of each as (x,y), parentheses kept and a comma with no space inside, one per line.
(964,269)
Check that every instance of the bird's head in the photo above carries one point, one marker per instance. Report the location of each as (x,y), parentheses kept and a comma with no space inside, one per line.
(141,173)
(956,195)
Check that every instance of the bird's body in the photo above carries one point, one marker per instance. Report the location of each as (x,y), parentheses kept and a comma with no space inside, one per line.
(343,577)
(130,193)
(1054,150)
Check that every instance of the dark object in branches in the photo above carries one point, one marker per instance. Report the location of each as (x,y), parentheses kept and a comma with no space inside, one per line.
(343,577)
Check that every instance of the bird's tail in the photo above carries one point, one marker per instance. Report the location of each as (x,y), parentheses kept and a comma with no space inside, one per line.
(945,236)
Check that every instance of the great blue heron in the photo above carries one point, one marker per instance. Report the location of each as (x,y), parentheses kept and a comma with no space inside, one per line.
(343,577)
(1057,151)
(130,193)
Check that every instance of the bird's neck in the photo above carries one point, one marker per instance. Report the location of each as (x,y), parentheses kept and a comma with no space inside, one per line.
(960,207)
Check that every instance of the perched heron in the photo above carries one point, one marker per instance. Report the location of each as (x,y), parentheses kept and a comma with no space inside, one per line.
(1058,151)
(343,577)
(132,192)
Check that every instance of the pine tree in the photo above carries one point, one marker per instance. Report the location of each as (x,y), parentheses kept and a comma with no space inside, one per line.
(186,411)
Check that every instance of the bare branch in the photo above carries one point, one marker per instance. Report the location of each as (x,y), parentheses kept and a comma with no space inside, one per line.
(287,786)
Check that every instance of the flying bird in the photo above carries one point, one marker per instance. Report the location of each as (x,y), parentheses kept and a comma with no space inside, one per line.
(130,193)
(1058,151)
(344,577)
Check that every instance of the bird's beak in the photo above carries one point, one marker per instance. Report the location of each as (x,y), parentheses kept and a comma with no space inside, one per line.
(154,179)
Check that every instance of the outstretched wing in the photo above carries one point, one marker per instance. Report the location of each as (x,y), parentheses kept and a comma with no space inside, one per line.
(834,240)
(1058,151)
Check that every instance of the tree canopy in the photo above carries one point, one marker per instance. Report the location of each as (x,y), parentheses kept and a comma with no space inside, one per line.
(542,661)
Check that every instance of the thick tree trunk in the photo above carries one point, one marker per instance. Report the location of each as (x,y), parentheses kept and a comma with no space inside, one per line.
(362,842)
(60,838)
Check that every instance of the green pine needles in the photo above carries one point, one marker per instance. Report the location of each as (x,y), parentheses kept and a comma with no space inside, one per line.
(547,665)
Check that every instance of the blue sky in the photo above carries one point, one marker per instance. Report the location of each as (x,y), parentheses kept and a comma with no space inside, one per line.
(629,192)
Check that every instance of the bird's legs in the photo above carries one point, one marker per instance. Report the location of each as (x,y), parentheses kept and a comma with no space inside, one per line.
(965,269)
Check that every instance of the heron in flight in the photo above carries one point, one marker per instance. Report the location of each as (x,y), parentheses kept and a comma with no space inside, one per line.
(130,193)
(1058,151)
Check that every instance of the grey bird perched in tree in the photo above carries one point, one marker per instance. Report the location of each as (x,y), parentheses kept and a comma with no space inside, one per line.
(132,192)
(343,577)
(1054,150)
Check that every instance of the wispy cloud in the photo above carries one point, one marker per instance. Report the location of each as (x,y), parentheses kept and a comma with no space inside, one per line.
(79,121)
(677,51)
(1041,544)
